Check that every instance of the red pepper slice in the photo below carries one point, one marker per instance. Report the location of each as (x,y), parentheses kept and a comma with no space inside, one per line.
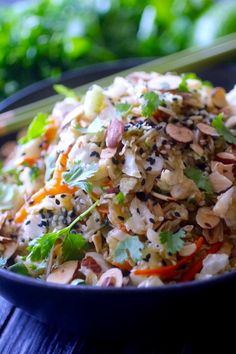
(170,271)
(197,266)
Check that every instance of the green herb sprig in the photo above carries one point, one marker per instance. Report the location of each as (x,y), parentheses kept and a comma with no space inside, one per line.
(131,247)
(222,130)
(41,246)
(173,241)
(202,181)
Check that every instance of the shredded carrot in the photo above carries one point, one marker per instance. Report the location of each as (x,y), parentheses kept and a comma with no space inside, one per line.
(103,209)
(170,271)
(60,167)
(123,266)
(197,266)
(30,161)
(57,187)
(107,183)
(123,228)
(39,196)
(51,132)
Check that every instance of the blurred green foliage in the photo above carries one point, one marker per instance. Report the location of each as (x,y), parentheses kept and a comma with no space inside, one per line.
(41,39)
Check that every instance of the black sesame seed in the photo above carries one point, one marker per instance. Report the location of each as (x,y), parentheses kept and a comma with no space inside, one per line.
(142,196)
(121,218)
(177,214)
(50,213)
(63,195)
(44,223)
(57,202)
(72,214)
(27,222)
(152,220)
(97,220)
(95,153)
(148,169)
(138,211)
(143,182)
(148,256)
(154,147)
(141,151)
(114,161)
(51,196)
(151,160)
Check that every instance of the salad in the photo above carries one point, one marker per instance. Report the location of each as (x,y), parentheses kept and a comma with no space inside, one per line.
(129,185)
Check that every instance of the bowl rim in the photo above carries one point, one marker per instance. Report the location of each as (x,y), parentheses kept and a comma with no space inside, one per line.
(177,287)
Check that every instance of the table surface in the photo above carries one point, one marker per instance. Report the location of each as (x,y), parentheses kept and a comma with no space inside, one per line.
(22,334)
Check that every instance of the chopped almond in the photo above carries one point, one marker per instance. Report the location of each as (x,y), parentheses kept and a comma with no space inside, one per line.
(181,134)
(206,218)
(207,129)
(64,273)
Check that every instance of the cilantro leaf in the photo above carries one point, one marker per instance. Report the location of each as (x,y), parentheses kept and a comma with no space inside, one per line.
(120,198)
(174,242)
(183,86)
(42,245)
(72,247)
(65,91)
(19,268)
(50,163)
(151,103)
(95,127)
(78,175)
(123,108)
(131,247)
(34,173)
(202,181)
(222,130)
(14,173)
(3,262)
(36,128)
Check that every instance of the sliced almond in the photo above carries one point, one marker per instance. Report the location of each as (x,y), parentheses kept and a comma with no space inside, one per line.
(231,122)
(206,218)
(219,182)
(207,129)
(214,235)
(108,153)
(7,246)
(197,148)
(226,157)
(223,169)
(168,81)
(112,277)
(114,133)
(181,134)
(187,249)
(64,273)
(162,197)
(97,241)
(218,97)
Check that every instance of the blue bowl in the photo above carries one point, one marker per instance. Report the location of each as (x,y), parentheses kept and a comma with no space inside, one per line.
(109,312)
